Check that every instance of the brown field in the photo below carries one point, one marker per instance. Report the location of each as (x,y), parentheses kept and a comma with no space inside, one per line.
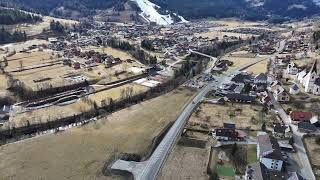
(3,85)
(313,150)
(115,93)
(240,114)
(186,163)
(239,61)
(80,153)
(258,68)
(31,59)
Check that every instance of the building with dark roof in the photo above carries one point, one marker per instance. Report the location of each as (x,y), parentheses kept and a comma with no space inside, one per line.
(281,131)
(269,152)
(306,127)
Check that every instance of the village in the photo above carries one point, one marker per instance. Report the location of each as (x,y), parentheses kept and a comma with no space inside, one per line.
(259,119)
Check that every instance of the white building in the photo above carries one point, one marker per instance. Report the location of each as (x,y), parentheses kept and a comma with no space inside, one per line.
(311,81)
(269,152)
(292,68)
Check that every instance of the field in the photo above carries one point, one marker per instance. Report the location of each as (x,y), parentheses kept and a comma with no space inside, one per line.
(243,115)
(240,61)
(50,113)
(258,68)
(81,153)
(115,93)
(313,149)
(58,72)
(186,163)
(111,51)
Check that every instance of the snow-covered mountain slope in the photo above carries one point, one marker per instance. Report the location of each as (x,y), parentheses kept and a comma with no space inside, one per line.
(149,12)
(255,3)
(317,2)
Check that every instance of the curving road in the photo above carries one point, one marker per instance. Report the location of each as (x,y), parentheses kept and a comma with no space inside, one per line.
(148,170)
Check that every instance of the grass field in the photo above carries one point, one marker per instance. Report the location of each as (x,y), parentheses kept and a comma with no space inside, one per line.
(258,68)
(252,154)
(240,114)
(225,171)
(115,93)
(185,163)
(80,153)
(239,61)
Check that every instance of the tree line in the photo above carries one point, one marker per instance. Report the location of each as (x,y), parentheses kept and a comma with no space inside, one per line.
(136,52)
(14,16)
(16,36)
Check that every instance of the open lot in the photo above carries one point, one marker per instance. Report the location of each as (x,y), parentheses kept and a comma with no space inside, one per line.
(258,68)
(186,163)
(243,115)
(313,149)
(81,153)
(240,61)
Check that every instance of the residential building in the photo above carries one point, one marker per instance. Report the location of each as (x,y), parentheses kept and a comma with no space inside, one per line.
(292,68)
(294,89)
(269,152)
(281,131)
(226,134)
(300,116)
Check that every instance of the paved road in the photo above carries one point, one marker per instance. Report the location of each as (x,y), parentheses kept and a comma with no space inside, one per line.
(148,170)
(306,168)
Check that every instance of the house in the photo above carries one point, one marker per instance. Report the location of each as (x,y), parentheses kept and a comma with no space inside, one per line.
(281,95)
(294,89)
(269,152)
(229,135)
(258,171)
(261,78)
(260,82)
(300,116)
(229,126)
(306,127)
(292,68)
(242,77)
(281,131)
(76,65)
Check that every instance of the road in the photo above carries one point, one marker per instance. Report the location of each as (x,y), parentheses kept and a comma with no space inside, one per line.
(306,168)
(148,170)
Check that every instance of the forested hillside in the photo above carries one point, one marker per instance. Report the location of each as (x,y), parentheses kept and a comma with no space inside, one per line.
(247,9)
(13,16)
(62,7)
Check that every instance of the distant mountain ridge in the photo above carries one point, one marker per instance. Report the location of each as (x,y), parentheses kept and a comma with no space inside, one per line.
(246,9)
(169,11)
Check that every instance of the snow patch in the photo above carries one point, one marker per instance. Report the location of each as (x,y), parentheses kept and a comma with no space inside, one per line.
(255,3)
(317,2)
(297,6)
(150,13)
